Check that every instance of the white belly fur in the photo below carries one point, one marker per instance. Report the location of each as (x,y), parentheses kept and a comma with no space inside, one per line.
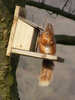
(47,49)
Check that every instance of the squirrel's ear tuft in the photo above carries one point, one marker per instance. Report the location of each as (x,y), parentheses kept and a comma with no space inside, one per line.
(49,28)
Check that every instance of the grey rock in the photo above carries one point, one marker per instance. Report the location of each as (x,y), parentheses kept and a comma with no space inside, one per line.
(62,85)
(62,25)
(70,6)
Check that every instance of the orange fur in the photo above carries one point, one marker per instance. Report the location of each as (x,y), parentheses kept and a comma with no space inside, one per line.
(46,41)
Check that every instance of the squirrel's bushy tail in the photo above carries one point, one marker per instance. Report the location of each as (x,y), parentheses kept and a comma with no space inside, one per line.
(46,73)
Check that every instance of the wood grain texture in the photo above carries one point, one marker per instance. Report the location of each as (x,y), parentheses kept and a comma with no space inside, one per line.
(23,36)
(34,54)
(17,9)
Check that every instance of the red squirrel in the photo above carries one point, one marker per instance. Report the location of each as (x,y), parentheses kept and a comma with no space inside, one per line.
(47,45)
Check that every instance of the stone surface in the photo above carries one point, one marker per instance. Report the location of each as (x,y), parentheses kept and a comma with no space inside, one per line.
(28,70)
(62,86)
(62,25)
(70,6)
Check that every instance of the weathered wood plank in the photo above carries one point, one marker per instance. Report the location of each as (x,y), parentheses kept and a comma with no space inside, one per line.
(16,14)
(23,36)
(34,54)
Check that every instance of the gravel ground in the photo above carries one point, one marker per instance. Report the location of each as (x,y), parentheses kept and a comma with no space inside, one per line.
(27,73)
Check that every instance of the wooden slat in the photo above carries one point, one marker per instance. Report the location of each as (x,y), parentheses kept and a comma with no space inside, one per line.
(23,36)
(16,15)
(34,54)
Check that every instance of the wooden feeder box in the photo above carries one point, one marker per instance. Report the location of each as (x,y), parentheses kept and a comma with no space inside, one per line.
(23,37)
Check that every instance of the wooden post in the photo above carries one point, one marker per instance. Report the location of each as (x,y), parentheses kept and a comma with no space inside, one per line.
(18,12)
